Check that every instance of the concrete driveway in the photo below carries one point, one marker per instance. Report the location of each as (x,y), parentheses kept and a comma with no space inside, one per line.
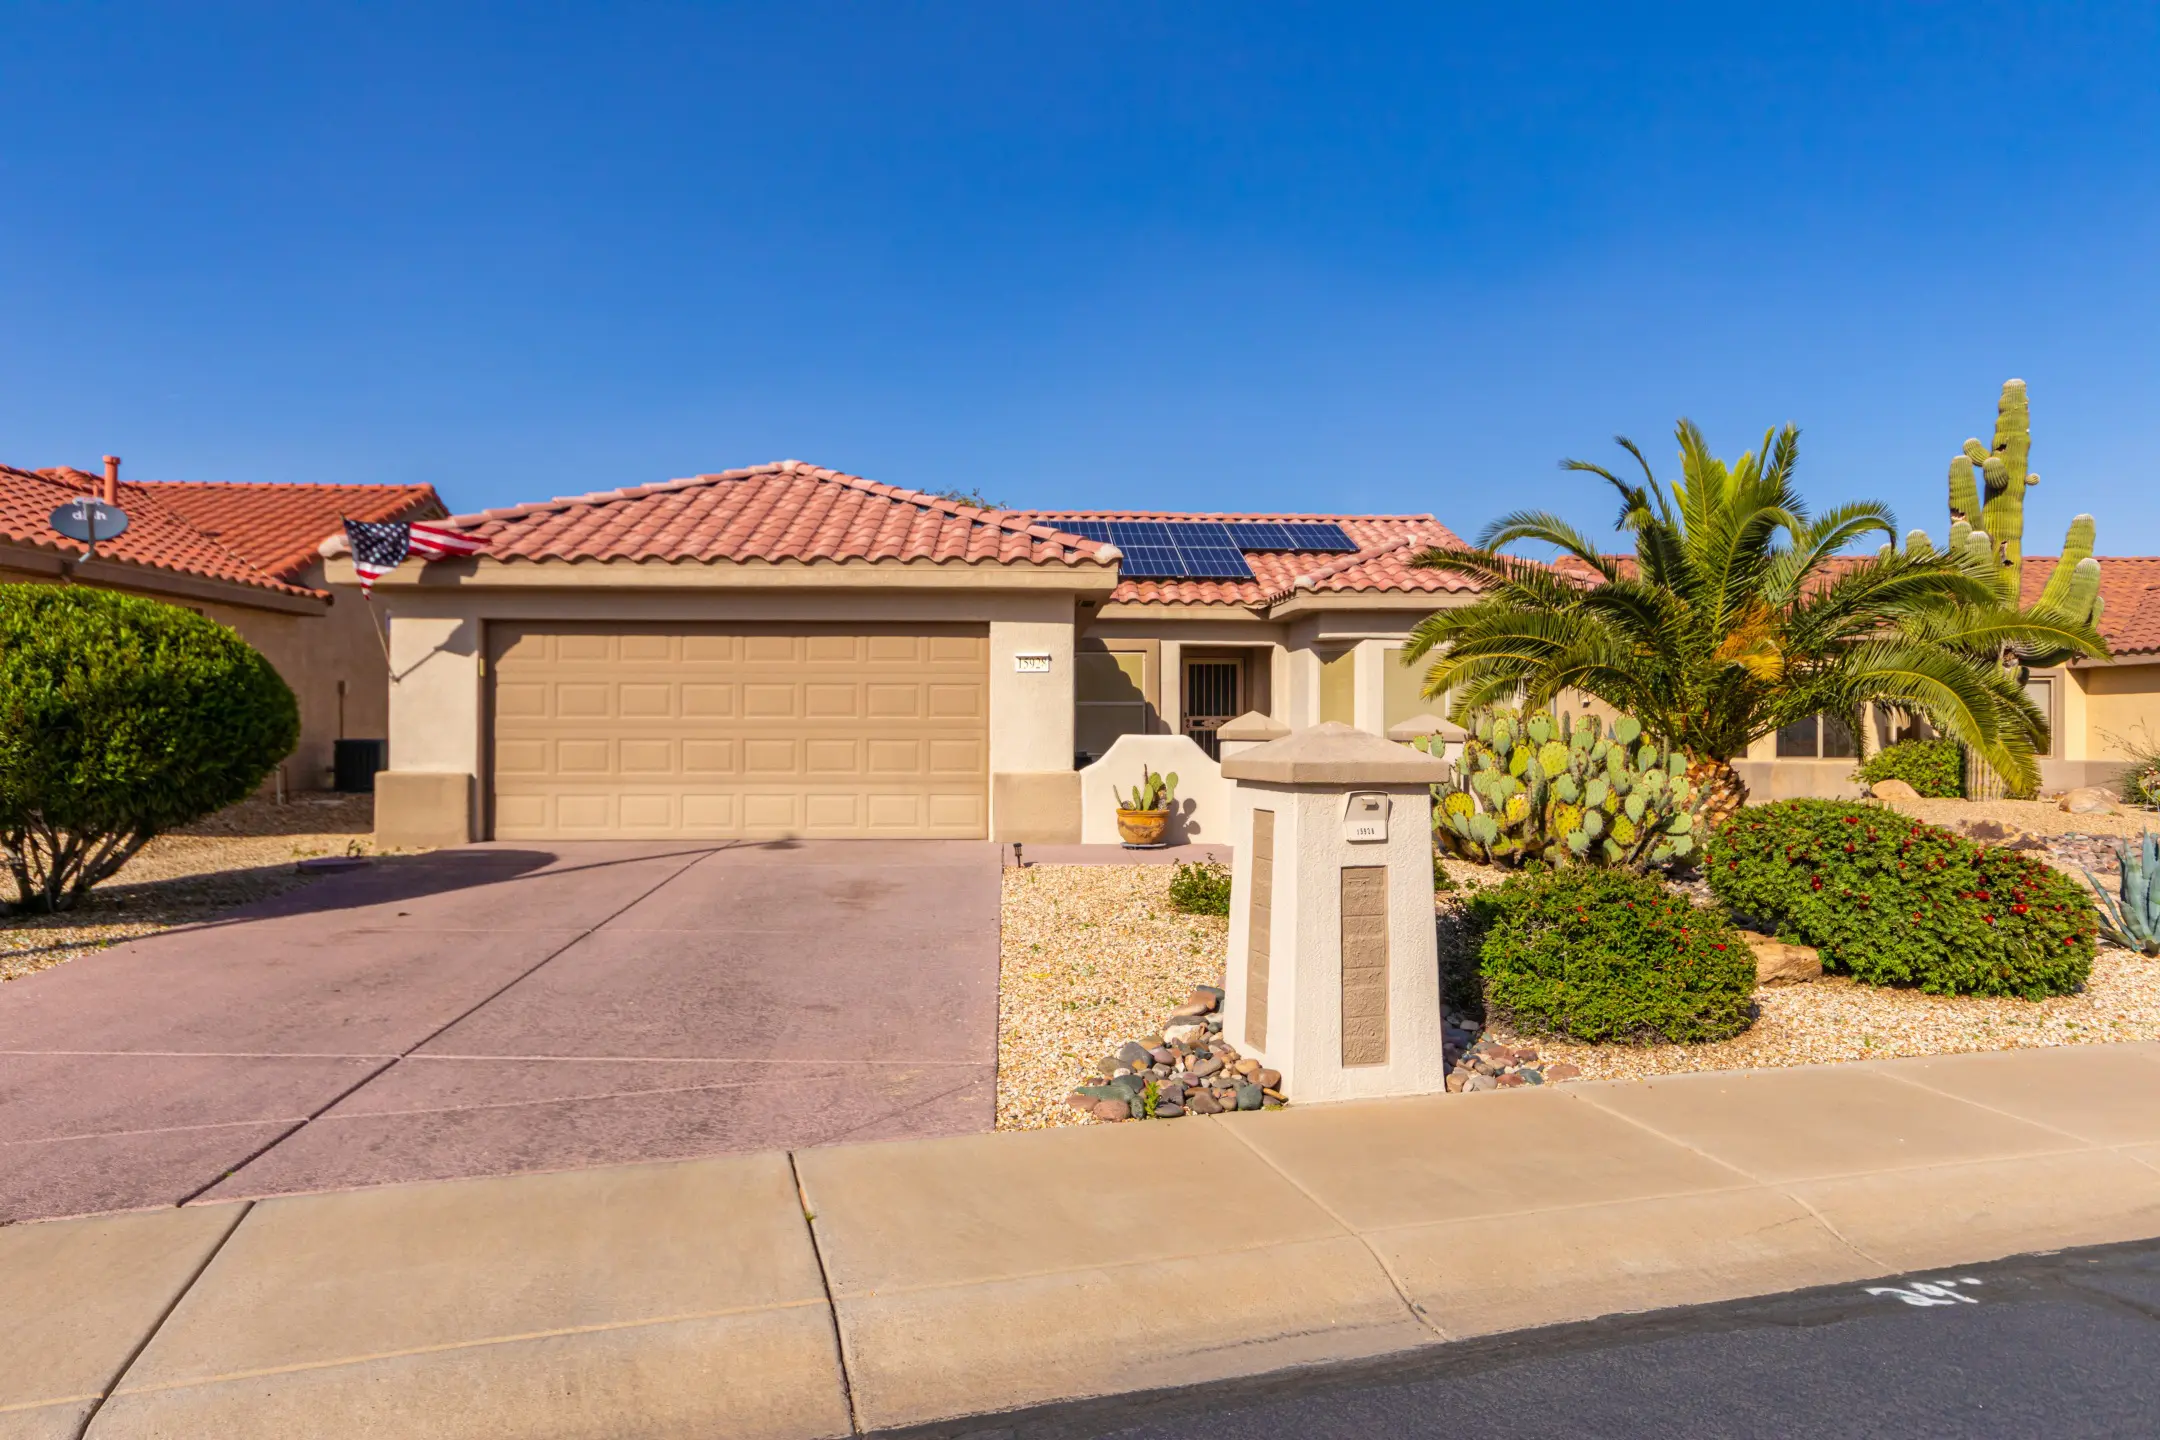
(497,1009)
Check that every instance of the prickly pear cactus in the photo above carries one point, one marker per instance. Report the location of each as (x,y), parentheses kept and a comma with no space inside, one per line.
(1563,790)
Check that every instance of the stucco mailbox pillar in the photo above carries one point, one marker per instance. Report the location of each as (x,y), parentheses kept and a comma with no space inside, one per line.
(1334,975)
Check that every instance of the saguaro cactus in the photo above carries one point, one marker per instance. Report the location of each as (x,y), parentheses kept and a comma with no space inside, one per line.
(1987,513)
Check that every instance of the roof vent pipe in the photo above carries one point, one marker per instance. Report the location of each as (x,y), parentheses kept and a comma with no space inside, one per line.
(112,480)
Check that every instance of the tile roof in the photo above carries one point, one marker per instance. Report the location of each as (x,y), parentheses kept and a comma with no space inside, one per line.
(157,537)
(1386,545)
(2129,594)
(782,511)
(279,528)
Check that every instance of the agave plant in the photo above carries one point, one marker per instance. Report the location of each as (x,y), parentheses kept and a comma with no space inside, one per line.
(1154,792)
(2132,920)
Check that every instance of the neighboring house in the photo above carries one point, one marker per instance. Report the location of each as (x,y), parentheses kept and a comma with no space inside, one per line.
(786,650)
(2092,706)
(244,555)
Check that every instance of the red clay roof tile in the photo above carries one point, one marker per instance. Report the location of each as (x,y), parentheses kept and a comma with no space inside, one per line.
(782,511)
(279,528)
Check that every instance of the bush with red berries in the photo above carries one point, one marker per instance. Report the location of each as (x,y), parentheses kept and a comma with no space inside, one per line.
(1891,901)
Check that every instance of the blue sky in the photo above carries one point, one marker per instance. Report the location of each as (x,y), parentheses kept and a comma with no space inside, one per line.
(1195,256)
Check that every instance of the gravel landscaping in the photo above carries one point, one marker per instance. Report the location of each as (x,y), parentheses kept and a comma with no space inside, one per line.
(244,853)
(1091,956)
(1094,957)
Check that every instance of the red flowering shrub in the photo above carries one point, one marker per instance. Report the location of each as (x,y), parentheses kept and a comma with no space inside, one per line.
(1600,954)
(1892,901)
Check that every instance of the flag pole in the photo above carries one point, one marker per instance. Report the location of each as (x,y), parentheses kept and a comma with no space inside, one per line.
(381,634)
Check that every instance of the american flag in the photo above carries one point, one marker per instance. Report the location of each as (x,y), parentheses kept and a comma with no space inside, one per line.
(380,546)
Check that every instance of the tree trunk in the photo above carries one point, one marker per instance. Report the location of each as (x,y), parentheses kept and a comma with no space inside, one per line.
(1722,789)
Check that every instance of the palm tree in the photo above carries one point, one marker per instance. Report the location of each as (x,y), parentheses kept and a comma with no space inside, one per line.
(1738,615)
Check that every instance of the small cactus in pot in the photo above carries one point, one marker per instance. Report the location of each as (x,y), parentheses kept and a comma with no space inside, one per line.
(1144,812)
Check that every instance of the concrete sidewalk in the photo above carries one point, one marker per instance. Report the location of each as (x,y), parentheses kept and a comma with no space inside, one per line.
(860,1288)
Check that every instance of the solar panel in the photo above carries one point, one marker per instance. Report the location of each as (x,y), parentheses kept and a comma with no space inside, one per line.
(1151,561)
(1204,549)
(1259,535)
(1207,552)
(1319,537)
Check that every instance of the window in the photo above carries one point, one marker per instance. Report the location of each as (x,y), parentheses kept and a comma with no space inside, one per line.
(1338,687)
(1819,737)
(1405,689)
(1109,698)
(2040,689)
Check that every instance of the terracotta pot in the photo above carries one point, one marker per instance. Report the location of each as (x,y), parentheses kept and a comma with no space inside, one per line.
(1142,827)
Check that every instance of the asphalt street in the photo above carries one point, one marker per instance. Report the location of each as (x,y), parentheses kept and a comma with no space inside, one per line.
(2063,1345)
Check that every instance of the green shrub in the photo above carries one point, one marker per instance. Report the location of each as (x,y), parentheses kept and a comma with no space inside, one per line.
(2140,783)
(1892,901)
(1935,768)
(1601,955)
(1201,888)
(121,717)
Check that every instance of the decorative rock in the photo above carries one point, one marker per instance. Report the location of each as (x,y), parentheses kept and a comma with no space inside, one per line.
(1510,1079)
(1203,1104)
(1247,1068)
(1188,1012)
(1171,1091)
(1249,1097)
(1112,1110)
(2087,800)
(1777,963)
(1132,1054)
(1530,1077)
(1214,1024)
(1893,790)
(1207,1067)
(1081,1102)
(1269,1079)
(1456,1082)
(1562,1072)
(1208,995)
(1189,1033)
(1481,1082)
(1168,1110)
(1108,1066)
(1162,1055)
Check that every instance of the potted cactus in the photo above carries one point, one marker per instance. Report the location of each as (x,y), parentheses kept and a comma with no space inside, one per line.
(1144,814)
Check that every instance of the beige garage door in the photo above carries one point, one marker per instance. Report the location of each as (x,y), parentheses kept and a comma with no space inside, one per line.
(608,731)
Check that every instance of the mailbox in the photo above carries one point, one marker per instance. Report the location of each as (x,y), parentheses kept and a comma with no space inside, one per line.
(1365,815)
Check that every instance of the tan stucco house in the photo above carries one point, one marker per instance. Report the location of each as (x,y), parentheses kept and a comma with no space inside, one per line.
(788,650)
(2093,706)
(791,650)
(245,555)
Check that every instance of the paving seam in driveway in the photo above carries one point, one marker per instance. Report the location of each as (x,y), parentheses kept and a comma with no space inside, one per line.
(488,999)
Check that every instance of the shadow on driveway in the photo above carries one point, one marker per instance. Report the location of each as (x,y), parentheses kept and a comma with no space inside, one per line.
(499,1009)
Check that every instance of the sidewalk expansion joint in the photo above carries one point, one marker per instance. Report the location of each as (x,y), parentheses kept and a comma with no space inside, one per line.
(1820,1219)
(832,1308)
(1402,1292)
(119,1378)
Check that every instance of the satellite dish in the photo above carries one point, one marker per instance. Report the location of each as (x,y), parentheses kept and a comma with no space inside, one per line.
(89,520)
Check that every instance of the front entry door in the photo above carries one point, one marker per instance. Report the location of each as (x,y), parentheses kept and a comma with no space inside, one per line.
(1214,693)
